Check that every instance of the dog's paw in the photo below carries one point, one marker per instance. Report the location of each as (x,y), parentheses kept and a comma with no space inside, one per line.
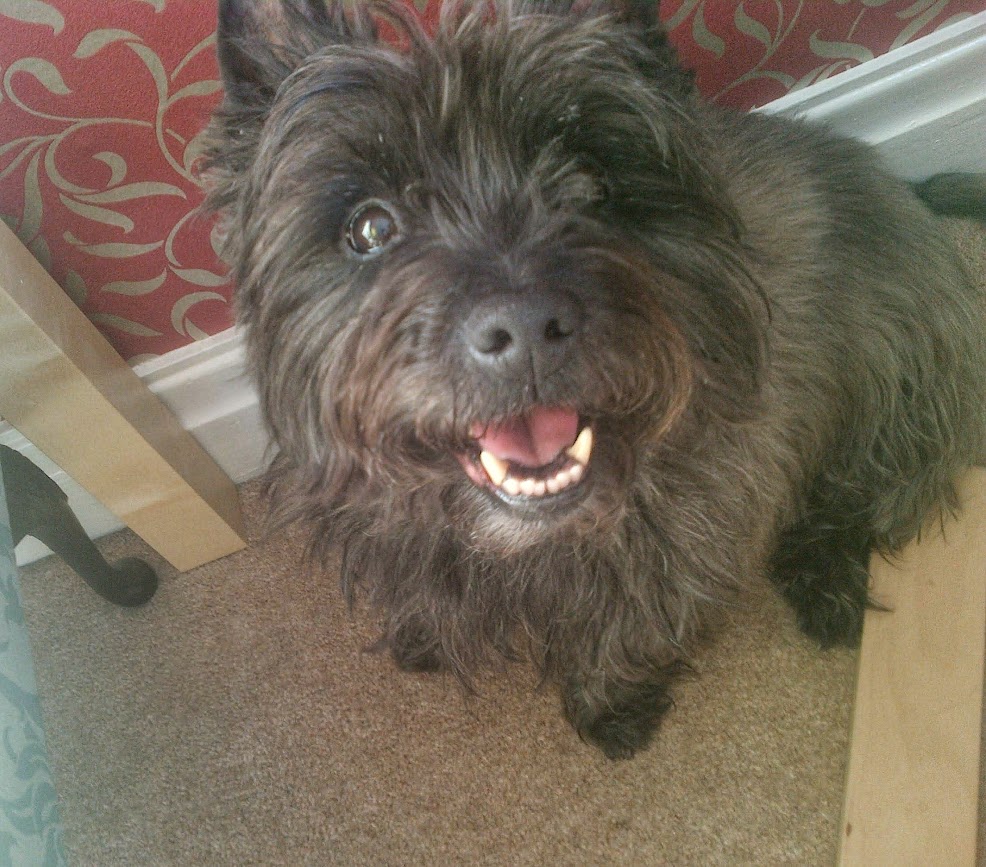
(620,729)
(618,736)
(829,597)
(419,661)
(415,649)
(831,619)
(828,591)
(824,575)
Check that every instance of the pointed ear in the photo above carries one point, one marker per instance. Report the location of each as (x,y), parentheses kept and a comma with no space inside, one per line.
(260,42)
(643,16)
(643,13)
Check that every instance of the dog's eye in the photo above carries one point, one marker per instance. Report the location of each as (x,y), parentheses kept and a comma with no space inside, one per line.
(371,229)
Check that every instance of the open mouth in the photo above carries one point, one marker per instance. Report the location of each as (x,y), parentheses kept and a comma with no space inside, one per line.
(543,453)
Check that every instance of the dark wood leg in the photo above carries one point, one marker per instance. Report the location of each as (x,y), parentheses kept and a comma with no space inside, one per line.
(39,508)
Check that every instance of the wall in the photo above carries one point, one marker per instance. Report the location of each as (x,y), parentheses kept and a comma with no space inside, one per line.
(101,103)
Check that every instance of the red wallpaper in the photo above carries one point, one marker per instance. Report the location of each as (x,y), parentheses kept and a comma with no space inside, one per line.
(100,105)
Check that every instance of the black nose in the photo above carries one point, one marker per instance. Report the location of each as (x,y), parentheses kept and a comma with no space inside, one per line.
(507,330)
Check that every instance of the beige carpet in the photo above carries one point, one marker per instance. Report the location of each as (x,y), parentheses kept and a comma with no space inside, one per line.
(236,720)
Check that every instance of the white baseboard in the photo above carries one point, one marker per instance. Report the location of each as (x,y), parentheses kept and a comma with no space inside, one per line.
(207,386)
(923,106)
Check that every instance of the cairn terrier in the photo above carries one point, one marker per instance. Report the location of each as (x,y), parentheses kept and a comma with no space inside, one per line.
(558,356)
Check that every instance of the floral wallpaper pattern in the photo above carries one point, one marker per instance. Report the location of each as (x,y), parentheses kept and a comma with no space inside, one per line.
(748,53)
(99,108)
(101,105)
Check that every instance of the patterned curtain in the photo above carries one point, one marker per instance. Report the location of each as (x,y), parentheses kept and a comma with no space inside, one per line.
(30,829)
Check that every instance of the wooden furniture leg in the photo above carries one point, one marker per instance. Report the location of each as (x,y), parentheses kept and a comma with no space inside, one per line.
(65,389)
(38,507)
(912,788)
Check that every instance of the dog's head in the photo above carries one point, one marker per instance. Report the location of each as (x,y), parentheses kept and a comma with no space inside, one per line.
(484,272)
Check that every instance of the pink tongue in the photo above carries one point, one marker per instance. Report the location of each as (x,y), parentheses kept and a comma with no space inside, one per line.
(533,439)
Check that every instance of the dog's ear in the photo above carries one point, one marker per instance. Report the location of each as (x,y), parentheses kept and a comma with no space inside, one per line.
(260,42)
(642,18)
(643,15)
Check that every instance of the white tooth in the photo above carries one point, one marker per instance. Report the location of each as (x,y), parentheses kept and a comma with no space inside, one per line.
(540,488)
(511,486)
(527,487)
(582,447)
(495,468)
(553,485)
(575,472)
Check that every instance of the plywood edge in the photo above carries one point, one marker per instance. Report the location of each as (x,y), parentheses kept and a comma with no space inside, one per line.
(66,389)
(913,777)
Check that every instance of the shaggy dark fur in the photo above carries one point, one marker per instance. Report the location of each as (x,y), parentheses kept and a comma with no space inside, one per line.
(528,224)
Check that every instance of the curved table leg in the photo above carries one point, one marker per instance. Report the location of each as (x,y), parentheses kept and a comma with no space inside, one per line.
(39,508)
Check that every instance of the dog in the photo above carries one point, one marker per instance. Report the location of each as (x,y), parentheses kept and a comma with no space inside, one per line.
(558,357)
